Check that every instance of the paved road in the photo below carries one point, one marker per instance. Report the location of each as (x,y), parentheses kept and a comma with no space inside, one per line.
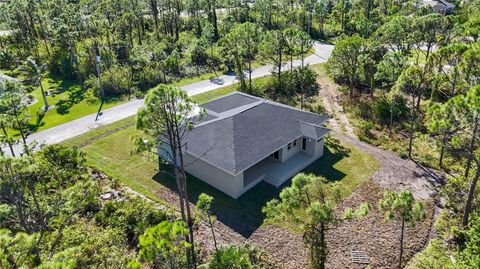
(82,125)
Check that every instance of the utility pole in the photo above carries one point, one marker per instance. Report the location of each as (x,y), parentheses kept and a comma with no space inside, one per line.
(97,65)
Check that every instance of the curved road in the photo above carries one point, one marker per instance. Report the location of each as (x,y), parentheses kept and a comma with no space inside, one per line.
(82,125)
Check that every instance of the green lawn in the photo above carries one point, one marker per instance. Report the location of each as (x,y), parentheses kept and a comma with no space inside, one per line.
(109,149)
(69,101)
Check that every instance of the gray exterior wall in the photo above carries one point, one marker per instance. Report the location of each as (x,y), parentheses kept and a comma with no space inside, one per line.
(319,146)
(315,148)
(310,147)
(286,154)
(223,181)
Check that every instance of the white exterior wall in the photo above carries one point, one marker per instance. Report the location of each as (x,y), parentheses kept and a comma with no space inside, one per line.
(315,148)
(221,180)
(319,146)
(286,154)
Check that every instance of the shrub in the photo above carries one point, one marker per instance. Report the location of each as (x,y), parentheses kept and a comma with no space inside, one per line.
(133,216)
(232,257)
(382,107)
(238,257)
(365,130)
(94,246)
(115,81)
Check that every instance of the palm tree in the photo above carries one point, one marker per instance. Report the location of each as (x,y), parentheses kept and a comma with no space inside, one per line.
(34,72)
(7,57)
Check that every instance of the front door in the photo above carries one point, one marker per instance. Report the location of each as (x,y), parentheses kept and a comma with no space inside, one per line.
(304,144)
(276,155)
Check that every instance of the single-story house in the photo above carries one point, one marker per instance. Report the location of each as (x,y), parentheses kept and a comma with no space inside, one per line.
(244,139)
(440,6)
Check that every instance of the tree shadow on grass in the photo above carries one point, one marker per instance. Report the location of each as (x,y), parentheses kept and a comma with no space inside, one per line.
(244,214)
(75,95)
(334,152)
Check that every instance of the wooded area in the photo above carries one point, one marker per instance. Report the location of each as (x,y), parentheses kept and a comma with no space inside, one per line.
(410,80)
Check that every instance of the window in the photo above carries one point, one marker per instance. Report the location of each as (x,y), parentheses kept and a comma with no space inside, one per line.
(294,142)
(289,146)
(304,143)
(275,155)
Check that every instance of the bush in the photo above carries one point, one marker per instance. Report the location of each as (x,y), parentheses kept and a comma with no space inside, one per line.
(95,247)
(435,255)
(382,107)
(238,257)
(133,216)
(365,130)
(115,81)
(232,257)
(292,85)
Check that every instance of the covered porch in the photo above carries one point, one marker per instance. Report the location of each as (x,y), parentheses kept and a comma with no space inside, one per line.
(276,172)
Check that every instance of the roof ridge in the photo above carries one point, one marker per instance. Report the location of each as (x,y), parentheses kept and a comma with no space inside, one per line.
(230,113)
(234,170)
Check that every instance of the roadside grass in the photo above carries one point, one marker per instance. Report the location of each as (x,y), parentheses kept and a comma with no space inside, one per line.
(320,69)
(69,102)
(204,76)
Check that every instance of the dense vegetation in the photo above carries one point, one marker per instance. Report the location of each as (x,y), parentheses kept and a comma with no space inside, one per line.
(411,80)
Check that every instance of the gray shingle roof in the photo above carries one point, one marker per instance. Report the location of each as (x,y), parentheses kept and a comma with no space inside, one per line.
(236,142)
(229,102)
(313,131)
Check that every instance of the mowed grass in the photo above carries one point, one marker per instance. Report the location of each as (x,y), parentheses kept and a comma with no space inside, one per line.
(69,102)
(109,149)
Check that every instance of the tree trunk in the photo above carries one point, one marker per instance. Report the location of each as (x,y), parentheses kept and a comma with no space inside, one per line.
(391,116)
(22,133)
(471,147)
(215,23)
(250,75)
(139,32)
(189,216)
(412,126)
(350,86)
(183,179)
(213,232)
(153,6)
(401,246)
(471,195)
(442,150)
(8,142)
(371,88)
(45,102)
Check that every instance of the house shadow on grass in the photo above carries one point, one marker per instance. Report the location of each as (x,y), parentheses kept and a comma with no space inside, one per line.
(244,214)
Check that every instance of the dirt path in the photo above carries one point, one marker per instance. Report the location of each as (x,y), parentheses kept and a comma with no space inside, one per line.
(331,95)
(397,173)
